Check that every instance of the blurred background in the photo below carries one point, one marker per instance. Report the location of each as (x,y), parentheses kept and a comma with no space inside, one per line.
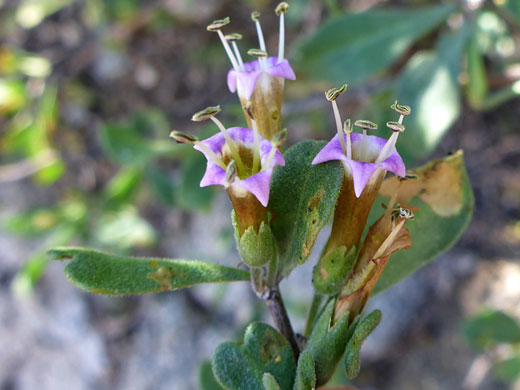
(89,91)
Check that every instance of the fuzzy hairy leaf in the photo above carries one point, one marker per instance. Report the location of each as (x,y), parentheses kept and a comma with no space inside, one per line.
(305,372)
(242,366)
(103,273)
(361,332)
(353,47)
(327,344)
(302,200)
(443,194)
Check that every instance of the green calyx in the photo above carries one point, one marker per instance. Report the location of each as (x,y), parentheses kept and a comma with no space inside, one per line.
(333,270)
(255,248)
(327,343)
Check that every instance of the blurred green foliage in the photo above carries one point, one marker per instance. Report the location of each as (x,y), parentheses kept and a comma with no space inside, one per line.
(489,329)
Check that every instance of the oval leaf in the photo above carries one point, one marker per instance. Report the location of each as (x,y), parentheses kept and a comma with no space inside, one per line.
(301,202)
(103,273)
(242,366)
(353,47)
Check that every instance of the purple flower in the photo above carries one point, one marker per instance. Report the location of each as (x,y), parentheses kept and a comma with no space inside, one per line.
(219,153)
(244,79)
(259,84)
(362,164)
(362,155)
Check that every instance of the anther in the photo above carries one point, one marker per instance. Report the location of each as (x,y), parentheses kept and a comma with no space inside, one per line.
(281,8)
(347,127)
(183,138)
(333,93)
(409,176)
(249,109)
(280,138)
(257,53)
(216,25)
(365,125)
(206,114)
(255,16)
(395,126)
(231,173)
(401,109)
(233,37)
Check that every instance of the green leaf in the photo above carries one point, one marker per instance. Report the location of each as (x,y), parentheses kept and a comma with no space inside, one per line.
(207,380)
(123,229)
(162,185)
(428,86)
(490,327)
(444,196)
(124,184)
(301,202)
(477,86)
(103,273)
(242,366)
(361,332)
(137,141)
(353,47)
(512,7)
(327,344)
(189,194)
(508,370)
(270,382)
(33,222)
(305,373)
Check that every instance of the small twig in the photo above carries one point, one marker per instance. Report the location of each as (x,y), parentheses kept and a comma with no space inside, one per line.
(281,320)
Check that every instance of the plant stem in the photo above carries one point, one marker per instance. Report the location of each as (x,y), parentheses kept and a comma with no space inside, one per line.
(281,320)
(317,300)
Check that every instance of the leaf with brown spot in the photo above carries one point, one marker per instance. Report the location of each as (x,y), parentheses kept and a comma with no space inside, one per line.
(301,202)
(103,273)
(438,184)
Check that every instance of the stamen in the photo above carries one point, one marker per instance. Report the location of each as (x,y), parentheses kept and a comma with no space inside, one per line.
(402,110)
(209,113)
(347,130)
(205,114)
(332,95)
(280,138)
(231,173)
(183,138)
(216,26)
(228,50)
(397,128)
(260,54)
(212,155)
(255,17)
(365,125)
(257,53)
(270,156)
(256,147)
(233,38)
(280,10)
(231,143)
